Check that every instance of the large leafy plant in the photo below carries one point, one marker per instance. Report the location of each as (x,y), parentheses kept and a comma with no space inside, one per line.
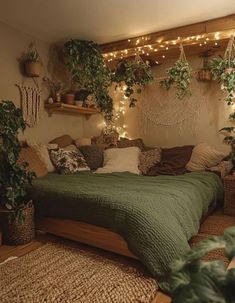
(85,62)
(180,76)
(197,281)
(229,138)
(14,177)
(134,75)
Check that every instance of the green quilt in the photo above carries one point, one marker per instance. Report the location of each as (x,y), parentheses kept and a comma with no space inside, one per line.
(155,215)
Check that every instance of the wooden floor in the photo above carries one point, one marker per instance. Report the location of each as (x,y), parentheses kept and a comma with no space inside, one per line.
(18,251)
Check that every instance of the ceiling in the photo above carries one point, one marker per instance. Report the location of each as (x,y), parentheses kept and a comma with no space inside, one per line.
(106,20)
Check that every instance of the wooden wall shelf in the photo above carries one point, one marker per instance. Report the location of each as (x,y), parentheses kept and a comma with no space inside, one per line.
(70,109)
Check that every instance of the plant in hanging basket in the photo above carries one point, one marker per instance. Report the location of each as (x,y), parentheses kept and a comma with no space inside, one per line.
(194,280)
(32,62)
(180,76)
(14,177)
(223,70)
(134,75)
(86,64)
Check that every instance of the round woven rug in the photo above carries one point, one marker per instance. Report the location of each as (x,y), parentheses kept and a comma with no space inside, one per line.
(65,272)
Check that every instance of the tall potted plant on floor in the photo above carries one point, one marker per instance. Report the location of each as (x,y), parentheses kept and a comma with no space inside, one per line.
(17,211)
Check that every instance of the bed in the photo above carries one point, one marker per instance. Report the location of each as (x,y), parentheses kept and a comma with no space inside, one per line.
(152,217)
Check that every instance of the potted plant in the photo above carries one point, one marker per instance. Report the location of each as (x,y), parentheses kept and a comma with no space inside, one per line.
(17,211)
(81,97)
(32,63)
(223,70)
(179,75)
(229,139)
(132,75)
(195,281)
(56,89)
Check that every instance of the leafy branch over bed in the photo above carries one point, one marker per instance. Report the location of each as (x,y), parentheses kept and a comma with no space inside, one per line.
(197,281)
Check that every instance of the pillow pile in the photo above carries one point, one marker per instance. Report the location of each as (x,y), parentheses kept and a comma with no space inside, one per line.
(173,161)
(149,158)
(203,157)
(68,162)
(121,160)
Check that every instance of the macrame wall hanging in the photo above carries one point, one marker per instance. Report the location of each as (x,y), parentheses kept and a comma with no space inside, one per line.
(30,104)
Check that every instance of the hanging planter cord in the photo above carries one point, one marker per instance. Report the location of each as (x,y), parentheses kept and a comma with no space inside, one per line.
(230,50)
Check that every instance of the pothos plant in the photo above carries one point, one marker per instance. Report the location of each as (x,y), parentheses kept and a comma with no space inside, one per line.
(14,178)
(197,281)
(134,74)
(223,70)
(85,62)
(180,76)
(229,138)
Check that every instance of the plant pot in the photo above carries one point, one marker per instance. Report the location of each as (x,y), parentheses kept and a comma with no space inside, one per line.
(69,98)
(230,70)
(32,69)
(204,75)
(17,233)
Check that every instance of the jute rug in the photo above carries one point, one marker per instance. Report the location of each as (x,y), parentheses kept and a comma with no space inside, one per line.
(65,272)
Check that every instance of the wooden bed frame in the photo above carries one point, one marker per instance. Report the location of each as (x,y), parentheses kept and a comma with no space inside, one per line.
(85,233)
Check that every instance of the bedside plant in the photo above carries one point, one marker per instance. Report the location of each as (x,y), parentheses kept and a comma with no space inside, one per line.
(17,211)
(180,76)
(197,281)
(229,133)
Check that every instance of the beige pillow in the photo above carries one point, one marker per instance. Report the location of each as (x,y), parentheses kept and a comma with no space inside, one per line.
(204,156)
(149,158)
(71,147)
(43,154)
(120,160)
(62,141)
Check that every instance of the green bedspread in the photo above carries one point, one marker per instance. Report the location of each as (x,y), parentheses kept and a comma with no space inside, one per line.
(155,215)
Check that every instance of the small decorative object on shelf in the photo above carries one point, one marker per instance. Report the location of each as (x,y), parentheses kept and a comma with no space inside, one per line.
(32,62)
(56,89)
(229,195)
(70,98)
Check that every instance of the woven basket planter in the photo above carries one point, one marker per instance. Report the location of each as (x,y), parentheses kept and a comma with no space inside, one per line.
(229,195)
(17,233)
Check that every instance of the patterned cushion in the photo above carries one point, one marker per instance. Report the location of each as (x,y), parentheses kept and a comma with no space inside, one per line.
(124,142)
(93,155)
(68,162)
(63,141)
(149,158)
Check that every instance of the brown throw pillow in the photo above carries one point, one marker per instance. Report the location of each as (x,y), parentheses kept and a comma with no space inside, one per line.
(62,141)
(148,159)
(35,164)
(124,142)
(173,161)
(93,155)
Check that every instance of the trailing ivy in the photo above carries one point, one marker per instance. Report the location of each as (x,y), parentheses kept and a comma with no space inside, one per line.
(223,70)
(85,62)
(134,74)
(179,75)
(194,280)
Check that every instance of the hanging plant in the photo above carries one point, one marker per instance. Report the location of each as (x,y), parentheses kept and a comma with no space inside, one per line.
(223,70)
(194,280)
(134,74)
(180,76)
(85,62)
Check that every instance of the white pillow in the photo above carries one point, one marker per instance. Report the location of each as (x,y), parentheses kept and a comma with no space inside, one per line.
(204,156)
(120,160)
(43,154)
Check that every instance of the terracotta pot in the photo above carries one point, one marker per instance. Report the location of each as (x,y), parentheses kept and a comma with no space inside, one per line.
(32,69)
(69,98)
(18,233)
